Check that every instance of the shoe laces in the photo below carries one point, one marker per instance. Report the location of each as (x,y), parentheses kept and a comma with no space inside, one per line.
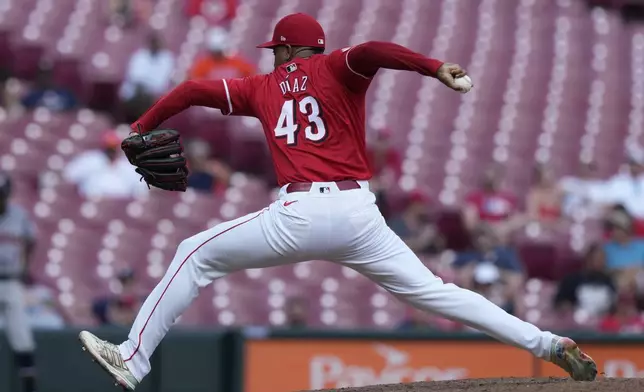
(111,354)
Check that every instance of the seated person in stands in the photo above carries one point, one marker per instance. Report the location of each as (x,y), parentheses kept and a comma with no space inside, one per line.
(415,319)
(625,188)
(125,13)
(487,249)
(624,253)
(577,190)
(591,289)
(121,13)
(487,281)
(119,309)
(386,165)
(105,172)
(297,314)
(45,93)
(492,205)
(216,64)
(544,199)
(415,226)
(384,159)
(623,317)
(147,77)
(206,174)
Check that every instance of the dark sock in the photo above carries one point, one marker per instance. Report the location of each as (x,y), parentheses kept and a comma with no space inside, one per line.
(26,371)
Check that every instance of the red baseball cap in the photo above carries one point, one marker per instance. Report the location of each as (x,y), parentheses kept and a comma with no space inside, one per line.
(111,139)
(418,196)
(297,30)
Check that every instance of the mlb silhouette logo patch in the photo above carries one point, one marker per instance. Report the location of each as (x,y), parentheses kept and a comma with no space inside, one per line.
(321,41)
(291,68)
(325,189)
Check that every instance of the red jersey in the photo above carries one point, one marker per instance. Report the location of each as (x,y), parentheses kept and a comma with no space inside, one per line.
(493,206)
(312,109)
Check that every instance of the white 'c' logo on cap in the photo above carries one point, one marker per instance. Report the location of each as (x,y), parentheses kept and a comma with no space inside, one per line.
(282,38)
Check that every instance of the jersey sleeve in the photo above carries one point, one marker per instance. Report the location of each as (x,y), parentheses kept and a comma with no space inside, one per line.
(340,68)
(231,96)
(356,65)
(240,94)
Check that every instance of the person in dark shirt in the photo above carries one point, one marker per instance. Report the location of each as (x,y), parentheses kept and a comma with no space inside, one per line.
(206,173)
(489,254)
(415,225)
(487,248)
(119,309)
(45,93)
(296,312)
(414,320)
(591,289)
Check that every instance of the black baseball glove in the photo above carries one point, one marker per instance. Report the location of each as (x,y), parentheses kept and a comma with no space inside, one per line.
(158,158)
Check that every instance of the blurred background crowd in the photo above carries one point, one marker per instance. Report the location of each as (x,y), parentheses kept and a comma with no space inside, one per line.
(528,190)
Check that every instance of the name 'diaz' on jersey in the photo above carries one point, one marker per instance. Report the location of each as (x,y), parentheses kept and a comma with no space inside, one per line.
(295,85)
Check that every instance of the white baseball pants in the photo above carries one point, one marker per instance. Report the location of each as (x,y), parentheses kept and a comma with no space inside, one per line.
(13,311)
(325,223)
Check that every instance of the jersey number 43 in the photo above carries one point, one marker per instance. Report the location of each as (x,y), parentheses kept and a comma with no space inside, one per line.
(288,127)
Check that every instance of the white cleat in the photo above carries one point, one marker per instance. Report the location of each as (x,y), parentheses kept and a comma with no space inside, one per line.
(565,354)
(109,357)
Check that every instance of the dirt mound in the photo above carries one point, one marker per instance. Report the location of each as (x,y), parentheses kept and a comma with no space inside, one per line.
(510,385)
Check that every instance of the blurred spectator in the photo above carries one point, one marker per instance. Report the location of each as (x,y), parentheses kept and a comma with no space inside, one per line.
(627,187)
(623,252)
(125,13)
(592,289)
(5,76)
(415,226)
(18,234)
(576,189)
(488,282)
(544,199)
(13,92)
(623,317)
(45,93)
(297,313)
(385,161)
(206,174)
(121,13)
(119,309)
(489,251)
(631,10)
(42,308)
(216,64)
(216,11)
(492,205)
(386,166)
(147,77)
(105,172)
(415,319)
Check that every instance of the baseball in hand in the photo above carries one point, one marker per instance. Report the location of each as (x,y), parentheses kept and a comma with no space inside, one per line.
(465,83)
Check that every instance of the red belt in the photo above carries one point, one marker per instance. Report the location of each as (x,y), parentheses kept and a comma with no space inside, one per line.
(306,186)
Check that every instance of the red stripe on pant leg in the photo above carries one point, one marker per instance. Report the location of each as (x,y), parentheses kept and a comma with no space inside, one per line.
(175,274)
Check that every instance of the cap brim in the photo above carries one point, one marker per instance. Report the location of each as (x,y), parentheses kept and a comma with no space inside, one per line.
(269,44)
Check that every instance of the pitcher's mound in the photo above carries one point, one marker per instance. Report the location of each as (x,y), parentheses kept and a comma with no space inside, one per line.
(510,385)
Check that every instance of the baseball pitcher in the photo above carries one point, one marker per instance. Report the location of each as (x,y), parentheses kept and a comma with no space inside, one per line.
(312,110)
(17,240)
